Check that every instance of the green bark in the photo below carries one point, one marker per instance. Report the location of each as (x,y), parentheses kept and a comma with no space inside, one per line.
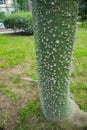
(54,31)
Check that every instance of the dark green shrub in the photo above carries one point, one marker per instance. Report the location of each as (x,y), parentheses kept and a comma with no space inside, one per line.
(20,20)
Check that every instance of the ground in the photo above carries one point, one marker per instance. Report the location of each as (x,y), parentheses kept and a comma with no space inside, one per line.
(20,107)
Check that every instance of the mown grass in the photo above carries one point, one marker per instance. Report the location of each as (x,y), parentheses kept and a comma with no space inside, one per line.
(79,68)
(16,50)
(17,60)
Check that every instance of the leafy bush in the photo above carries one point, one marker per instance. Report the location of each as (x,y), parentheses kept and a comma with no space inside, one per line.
(20,20)
(83,11)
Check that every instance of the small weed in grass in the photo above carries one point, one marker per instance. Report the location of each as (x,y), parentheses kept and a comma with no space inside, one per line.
(72,74)
(11,94)
(2,85)
(15,78)
(82,86)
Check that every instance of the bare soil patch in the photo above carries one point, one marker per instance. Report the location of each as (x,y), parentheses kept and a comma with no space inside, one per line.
(14,94)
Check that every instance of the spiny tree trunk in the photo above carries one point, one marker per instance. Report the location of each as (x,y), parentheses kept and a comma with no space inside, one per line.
(54,31)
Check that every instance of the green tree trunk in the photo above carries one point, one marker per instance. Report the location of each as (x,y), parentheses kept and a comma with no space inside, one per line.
(54,31)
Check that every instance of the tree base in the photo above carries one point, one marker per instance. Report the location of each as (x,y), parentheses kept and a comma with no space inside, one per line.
(77,120)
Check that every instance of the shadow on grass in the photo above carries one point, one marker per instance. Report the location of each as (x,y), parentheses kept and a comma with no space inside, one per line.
(19,34)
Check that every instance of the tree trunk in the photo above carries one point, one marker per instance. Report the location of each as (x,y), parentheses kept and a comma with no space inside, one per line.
(54,31)
(29,5)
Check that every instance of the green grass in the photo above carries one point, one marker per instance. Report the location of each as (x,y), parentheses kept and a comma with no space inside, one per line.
(15,78)
(11,95)
(33,114)
(79,68)
(15,50)
(17,60)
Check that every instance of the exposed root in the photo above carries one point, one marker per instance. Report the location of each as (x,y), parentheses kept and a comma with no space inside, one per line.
(77,120)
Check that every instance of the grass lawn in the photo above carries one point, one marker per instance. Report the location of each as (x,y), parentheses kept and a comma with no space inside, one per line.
(19,101)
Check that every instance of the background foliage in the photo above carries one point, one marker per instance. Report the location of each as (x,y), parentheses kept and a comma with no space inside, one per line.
(83,10)
(20,20)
